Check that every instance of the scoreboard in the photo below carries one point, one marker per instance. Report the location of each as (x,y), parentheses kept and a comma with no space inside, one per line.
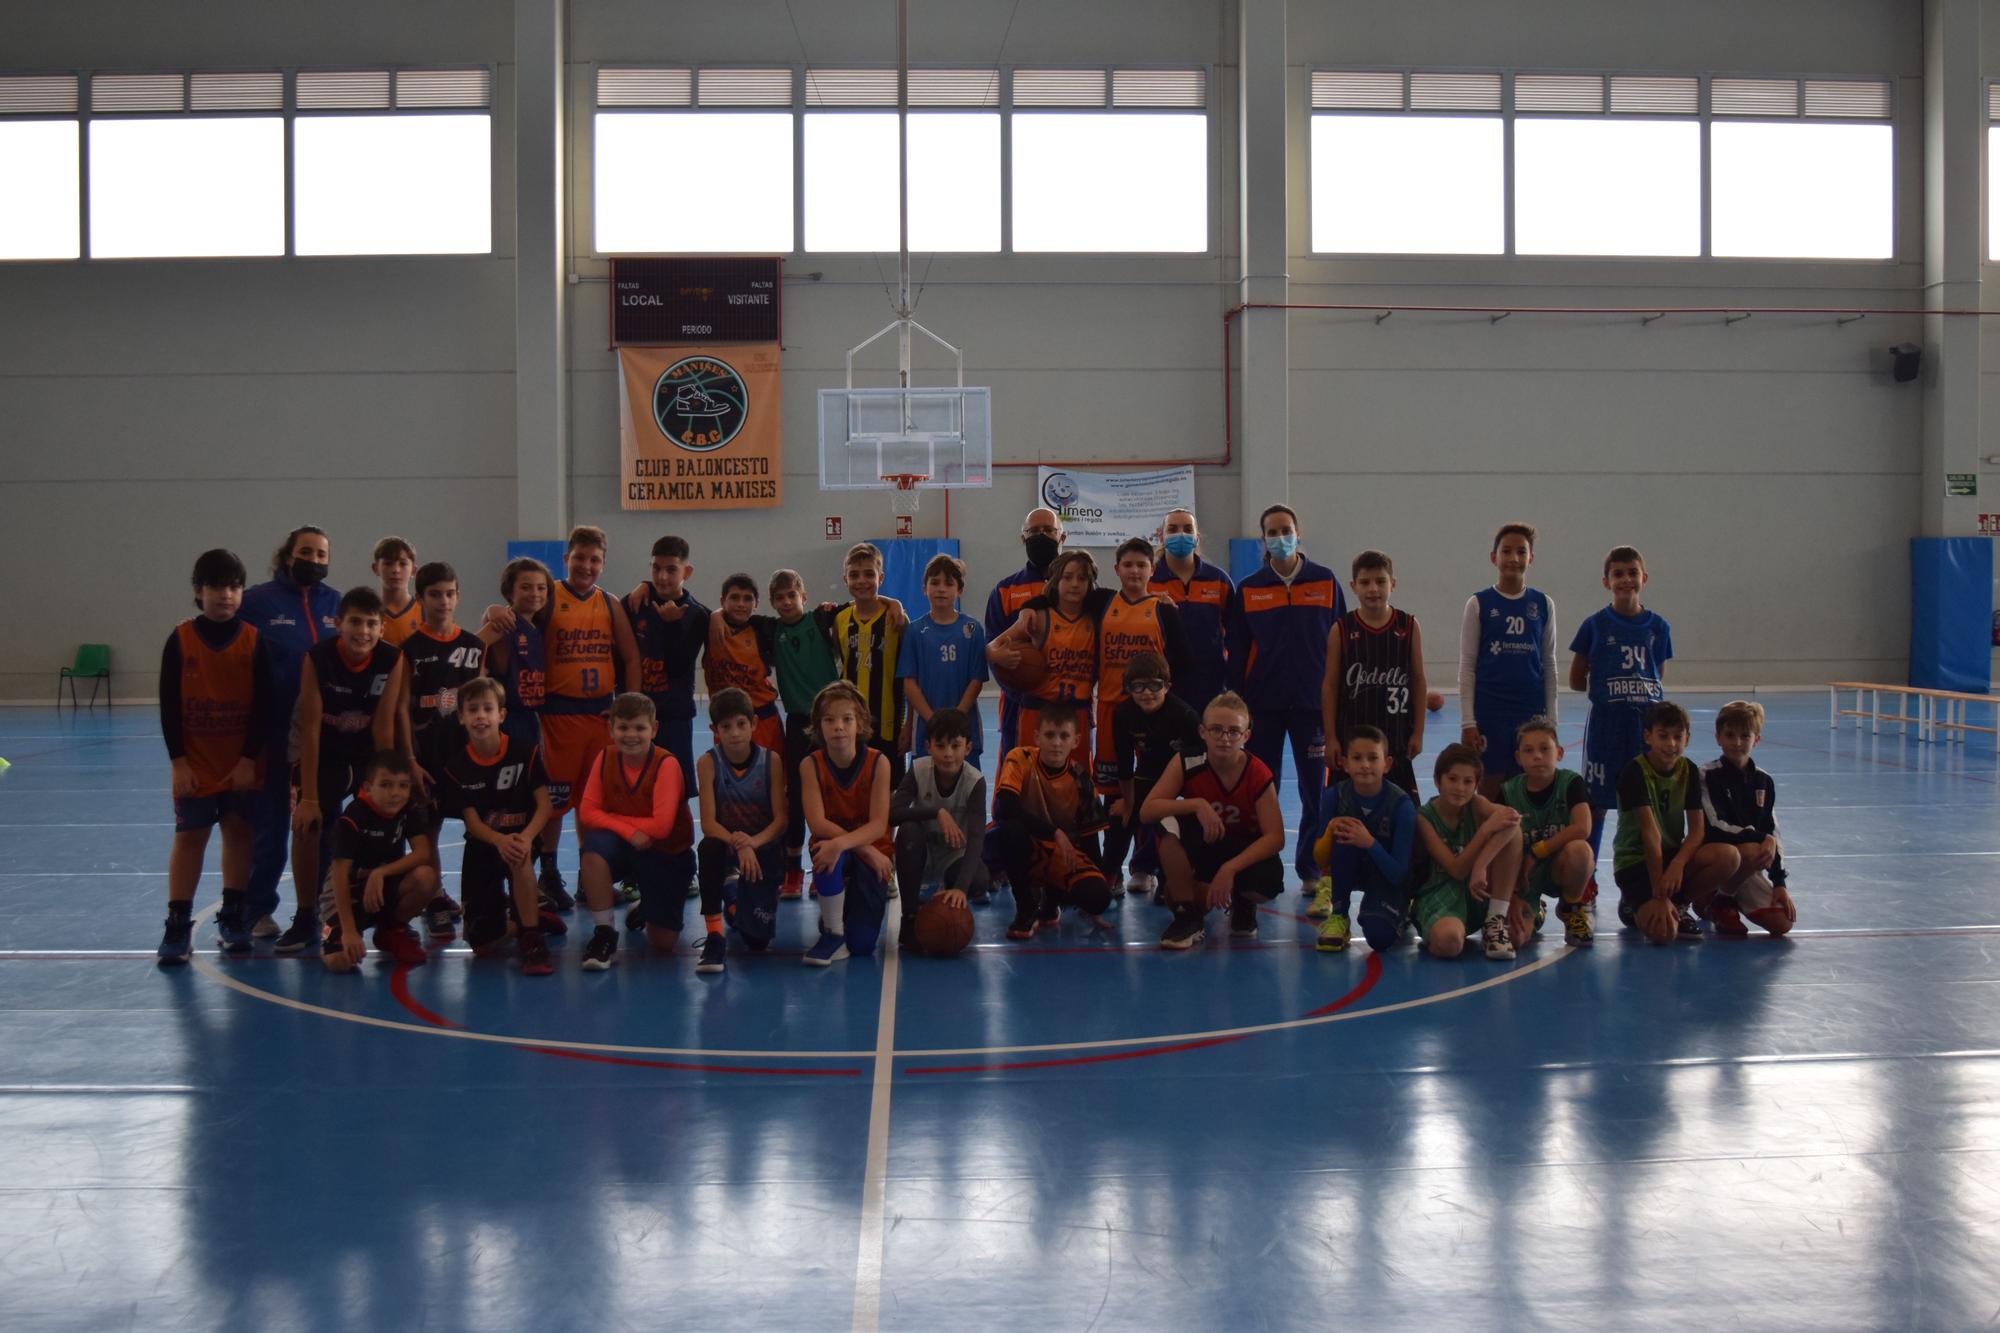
(660,302)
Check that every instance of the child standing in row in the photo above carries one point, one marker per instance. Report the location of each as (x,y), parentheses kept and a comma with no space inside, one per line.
(213,688)
(1506,657)
(1621,659)
(867,640)
(1375,670)
(942,661)
(438,658)
(802,649)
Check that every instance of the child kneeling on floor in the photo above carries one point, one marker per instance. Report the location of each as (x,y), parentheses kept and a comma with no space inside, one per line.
(1221,838)
(844,785)
(1739,801)
(379,877)
(1473,851)
(743,821)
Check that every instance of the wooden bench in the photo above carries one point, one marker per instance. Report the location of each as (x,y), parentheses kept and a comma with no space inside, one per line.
(1937,711)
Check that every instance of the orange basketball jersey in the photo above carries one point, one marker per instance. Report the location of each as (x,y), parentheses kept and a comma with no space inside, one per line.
(631,795)
(400,625)
(579,647)
(1070,648)
(217,685)
(1125,630)
(848,806)
(735,658)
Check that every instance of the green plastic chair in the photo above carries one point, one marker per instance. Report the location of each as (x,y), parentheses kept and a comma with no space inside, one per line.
(93,663)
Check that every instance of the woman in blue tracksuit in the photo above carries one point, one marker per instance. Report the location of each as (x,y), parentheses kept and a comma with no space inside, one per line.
(1279,619)
(292,612)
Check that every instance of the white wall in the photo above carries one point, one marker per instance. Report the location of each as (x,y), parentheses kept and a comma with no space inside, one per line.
(1768,469)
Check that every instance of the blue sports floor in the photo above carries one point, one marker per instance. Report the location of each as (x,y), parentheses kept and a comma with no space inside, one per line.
(1082,1133)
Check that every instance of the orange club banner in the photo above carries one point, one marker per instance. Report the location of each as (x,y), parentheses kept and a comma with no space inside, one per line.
(698,428)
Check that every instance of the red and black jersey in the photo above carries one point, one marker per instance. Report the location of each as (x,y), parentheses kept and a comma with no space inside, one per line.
(1236,804)
(500,790)
(438,666)
(349,694)
(1377,674)
(366,837)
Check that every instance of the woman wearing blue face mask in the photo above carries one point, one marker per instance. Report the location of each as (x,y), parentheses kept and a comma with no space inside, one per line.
(1279,621)
(1202,593)
(292,612)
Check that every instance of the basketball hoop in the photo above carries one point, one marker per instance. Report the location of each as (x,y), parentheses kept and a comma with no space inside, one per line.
(903,500)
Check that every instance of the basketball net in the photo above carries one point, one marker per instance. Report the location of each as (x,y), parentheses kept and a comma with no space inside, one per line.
(903,499)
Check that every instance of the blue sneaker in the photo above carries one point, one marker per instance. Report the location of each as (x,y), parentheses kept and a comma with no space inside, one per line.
(232,930)
(829,949)
(178,942)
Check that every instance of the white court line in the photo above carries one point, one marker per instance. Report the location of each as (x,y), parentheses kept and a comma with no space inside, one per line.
(106,1089)
(874,1183)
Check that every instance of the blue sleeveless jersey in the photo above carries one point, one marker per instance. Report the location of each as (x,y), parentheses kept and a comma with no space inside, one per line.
(743,800)
(1626,654)
(1508,676)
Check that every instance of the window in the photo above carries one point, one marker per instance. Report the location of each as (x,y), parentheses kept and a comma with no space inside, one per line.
(679,180)
(393,185)
(1404,162)
(187,186)
(1133,178)
(416,180)
(1607,187)
(38,181)
(1809,177)
(850,182)
(683,183)
(1408,184)
(850,160)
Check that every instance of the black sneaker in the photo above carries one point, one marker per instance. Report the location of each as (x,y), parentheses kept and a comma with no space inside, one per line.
(714,954)
(232,930)
(1184,932)
(636,918)
(1242,919)
(301,935)
(451,905)
(438,920)
(555,893)
(178,941)
(603,947)
(1686,925)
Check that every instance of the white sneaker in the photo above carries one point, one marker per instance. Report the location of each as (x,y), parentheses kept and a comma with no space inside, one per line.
(265,928)
(1499,945)
(1141,882)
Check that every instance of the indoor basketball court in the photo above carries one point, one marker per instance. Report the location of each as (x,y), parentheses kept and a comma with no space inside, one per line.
(679,342)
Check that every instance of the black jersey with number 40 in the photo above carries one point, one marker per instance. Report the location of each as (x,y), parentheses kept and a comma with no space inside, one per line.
(438,666)
(1377,675)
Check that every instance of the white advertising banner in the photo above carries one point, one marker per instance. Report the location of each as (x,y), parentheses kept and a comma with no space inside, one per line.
(1106,508)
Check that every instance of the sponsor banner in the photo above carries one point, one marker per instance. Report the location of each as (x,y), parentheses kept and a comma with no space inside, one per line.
(698,428)
(1106,508)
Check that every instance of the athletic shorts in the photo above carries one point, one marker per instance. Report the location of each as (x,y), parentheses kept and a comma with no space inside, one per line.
(570,743)
(194,813)
(1635,886)
(661,902)
(1755,893)
(1207,858)
(1614,736)
(1498,729)
(357,885)
(1441,898)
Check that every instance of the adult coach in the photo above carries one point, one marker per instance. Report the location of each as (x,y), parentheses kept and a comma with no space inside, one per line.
(292,611)
(1279,620)
(1202,593)
(1042,539)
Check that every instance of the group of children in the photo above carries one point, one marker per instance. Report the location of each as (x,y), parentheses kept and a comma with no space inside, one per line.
(1158,723)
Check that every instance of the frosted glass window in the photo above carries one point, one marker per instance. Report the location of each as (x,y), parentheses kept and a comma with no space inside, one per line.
(954,182)
(1408,185)
(1110,183)
(717,181)
(1607,187)
(1802,191)
(1992,193)
(187,187)
(38,189)
(392,185)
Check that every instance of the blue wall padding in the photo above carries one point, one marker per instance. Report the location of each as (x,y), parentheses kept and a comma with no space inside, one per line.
(903,561)
(549,553)
(1951,613)
(1246,557)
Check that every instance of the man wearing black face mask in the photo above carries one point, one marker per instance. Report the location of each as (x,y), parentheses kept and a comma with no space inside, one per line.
(1042,539)
(292,612)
